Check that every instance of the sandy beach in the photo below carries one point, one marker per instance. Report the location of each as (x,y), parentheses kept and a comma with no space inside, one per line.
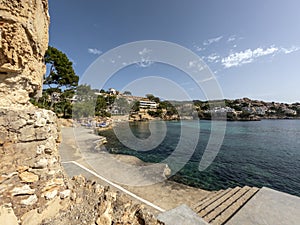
(145,180)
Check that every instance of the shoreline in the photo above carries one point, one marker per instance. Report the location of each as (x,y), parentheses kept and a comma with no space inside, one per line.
(165,194)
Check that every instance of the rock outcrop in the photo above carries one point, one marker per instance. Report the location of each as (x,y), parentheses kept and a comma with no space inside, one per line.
(33,186)
(23,42)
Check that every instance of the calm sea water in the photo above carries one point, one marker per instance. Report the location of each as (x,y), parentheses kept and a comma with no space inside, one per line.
(262,153)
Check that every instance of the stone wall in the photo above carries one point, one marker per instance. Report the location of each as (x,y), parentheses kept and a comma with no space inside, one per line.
(31,173)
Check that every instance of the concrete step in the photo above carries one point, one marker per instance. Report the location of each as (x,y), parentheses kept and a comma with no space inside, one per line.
(233,208)
(205,211)
(210,199)
(224,205)
(218,207)
(206,198)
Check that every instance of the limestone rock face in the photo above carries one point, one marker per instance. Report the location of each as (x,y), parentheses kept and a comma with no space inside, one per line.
(23,42)
(33,186)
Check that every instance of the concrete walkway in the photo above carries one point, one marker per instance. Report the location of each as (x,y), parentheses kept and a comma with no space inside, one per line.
(181,215)
(77,150)
(269,207)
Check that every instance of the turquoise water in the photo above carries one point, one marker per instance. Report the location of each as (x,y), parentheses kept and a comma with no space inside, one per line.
(262,153)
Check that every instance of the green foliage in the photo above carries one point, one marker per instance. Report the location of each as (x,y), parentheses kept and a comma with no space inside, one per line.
(157,113)
(152,98)
(59,84)
(245,114)
(122,105)
(89,104)
(135,106)
(127,93)
(83,109)
(171,110)
(61,70)
(110,99)
(100,108)
(237,107)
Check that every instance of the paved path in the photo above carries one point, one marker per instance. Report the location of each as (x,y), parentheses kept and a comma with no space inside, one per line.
(165,195)
(269,207)
(80,141)
(219,206)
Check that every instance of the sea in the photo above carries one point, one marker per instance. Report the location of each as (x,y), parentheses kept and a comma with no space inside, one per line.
(254,153)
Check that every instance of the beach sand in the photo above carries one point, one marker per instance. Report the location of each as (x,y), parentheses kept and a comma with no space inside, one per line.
(143,179)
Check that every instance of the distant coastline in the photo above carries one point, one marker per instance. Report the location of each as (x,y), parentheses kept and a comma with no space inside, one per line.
(243,109)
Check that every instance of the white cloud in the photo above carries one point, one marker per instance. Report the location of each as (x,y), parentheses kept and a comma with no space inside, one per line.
(262,52)
(212,40)
(247,56)
(290,50)
(213,58)
(231,38)
(94,51)
(198,48)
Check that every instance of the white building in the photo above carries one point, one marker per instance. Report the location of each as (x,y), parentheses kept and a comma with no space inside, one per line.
(112,91)
(290,112)
(148,104)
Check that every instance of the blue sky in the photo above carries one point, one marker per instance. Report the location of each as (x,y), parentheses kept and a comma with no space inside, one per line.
(252,47)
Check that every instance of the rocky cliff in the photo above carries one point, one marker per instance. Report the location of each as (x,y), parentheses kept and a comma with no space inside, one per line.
(23,42)
(33,186)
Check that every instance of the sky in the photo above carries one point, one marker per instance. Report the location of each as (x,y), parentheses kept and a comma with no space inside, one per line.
(245,48)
